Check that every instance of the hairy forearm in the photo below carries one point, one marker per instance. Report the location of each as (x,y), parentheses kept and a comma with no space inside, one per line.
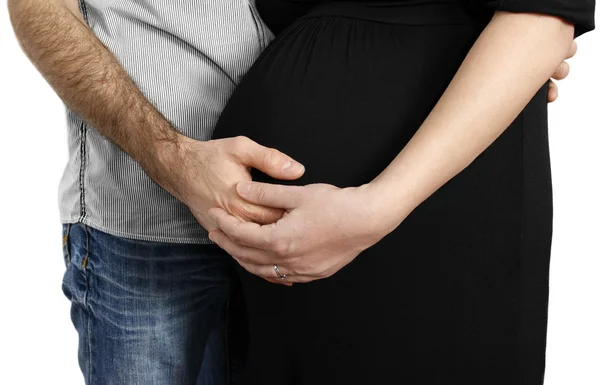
(513,57)
(89,79)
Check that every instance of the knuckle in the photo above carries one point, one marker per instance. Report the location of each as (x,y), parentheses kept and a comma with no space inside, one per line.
(302,268)
(271,157)
(235,236)
(322,274)
(269,215)
(244,258)
(563,70)
(240,256)
(261,194)
(240,210)
(280,247)
(266,216)
(239,142)
(258,214)
(236,256)
(294,269)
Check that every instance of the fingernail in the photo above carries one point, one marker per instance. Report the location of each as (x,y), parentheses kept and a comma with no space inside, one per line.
(292,166)
(210,236)
(244,188)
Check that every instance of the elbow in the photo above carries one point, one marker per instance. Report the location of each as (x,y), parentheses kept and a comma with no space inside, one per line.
(566,31)
(566,37)
(552,31)
(16,11)
(562,32)
(13,7)
(558,33)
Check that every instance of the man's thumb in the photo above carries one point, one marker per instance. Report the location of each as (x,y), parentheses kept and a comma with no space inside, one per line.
(274,163)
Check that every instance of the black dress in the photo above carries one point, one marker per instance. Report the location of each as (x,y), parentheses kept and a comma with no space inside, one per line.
(457,294)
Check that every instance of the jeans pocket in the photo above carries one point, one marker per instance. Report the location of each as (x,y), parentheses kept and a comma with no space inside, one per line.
(66,227)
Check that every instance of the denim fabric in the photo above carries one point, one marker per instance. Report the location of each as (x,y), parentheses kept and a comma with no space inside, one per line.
(151,313)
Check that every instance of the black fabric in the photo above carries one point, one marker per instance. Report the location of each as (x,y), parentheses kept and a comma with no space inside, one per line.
(578,12)
(457,294)
(280,13)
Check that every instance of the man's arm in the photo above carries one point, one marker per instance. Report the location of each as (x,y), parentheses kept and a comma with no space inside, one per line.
(91,81)
(88,78)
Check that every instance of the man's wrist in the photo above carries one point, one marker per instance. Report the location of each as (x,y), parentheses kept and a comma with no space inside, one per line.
(163,157)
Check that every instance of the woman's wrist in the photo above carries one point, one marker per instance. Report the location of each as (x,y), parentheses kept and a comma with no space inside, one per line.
(386,201)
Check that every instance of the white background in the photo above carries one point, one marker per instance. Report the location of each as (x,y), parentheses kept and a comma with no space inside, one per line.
(38,344)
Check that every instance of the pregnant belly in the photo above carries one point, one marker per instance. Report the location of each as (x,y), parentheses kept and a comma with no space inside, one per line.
(344,95)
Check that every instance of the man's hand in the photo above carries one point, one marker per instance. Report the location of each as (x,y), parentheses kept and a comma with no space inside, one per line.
(204,175)
(324,229)
(561,73)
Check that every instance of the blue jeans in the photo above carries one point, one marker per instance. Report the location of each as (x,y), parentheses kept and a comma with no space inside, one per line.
(152,313)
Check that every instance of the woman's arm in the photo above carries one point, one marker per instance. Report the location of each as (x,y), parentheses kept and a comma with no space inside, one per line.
(513,57)
(327,227)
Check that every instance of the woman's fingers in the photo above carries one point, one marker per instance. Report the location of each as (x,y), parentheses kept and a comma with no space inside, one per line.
(552,92)
(243,233)
(272,195)
(267,272)
(562,71)
(245,255)
(241,253)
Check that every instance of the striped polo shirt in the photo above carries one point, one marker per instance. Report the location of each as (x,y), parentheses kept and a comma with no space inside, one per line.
(187,57)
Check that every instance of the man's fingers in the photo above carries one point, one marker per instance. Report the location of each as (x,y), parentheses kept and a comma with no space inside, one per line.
(562,71)
(262,215)
(271,195)
(243,233)
(268,160)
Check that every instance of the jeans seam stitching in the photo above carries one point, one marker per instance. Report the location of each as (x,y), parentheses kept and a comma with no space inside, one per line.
(67,250)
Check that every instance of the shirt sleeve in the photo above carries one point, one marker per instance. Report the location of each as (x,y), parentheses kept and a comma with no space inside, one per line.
(580,13)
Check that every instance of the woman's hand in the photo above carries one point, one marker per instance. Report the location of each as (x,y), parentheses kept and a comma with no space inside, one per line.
(561,73)
(324,229)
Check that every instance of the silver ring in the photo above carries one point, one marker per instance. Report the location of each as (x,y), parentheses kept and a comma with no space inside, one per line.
(281,276)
